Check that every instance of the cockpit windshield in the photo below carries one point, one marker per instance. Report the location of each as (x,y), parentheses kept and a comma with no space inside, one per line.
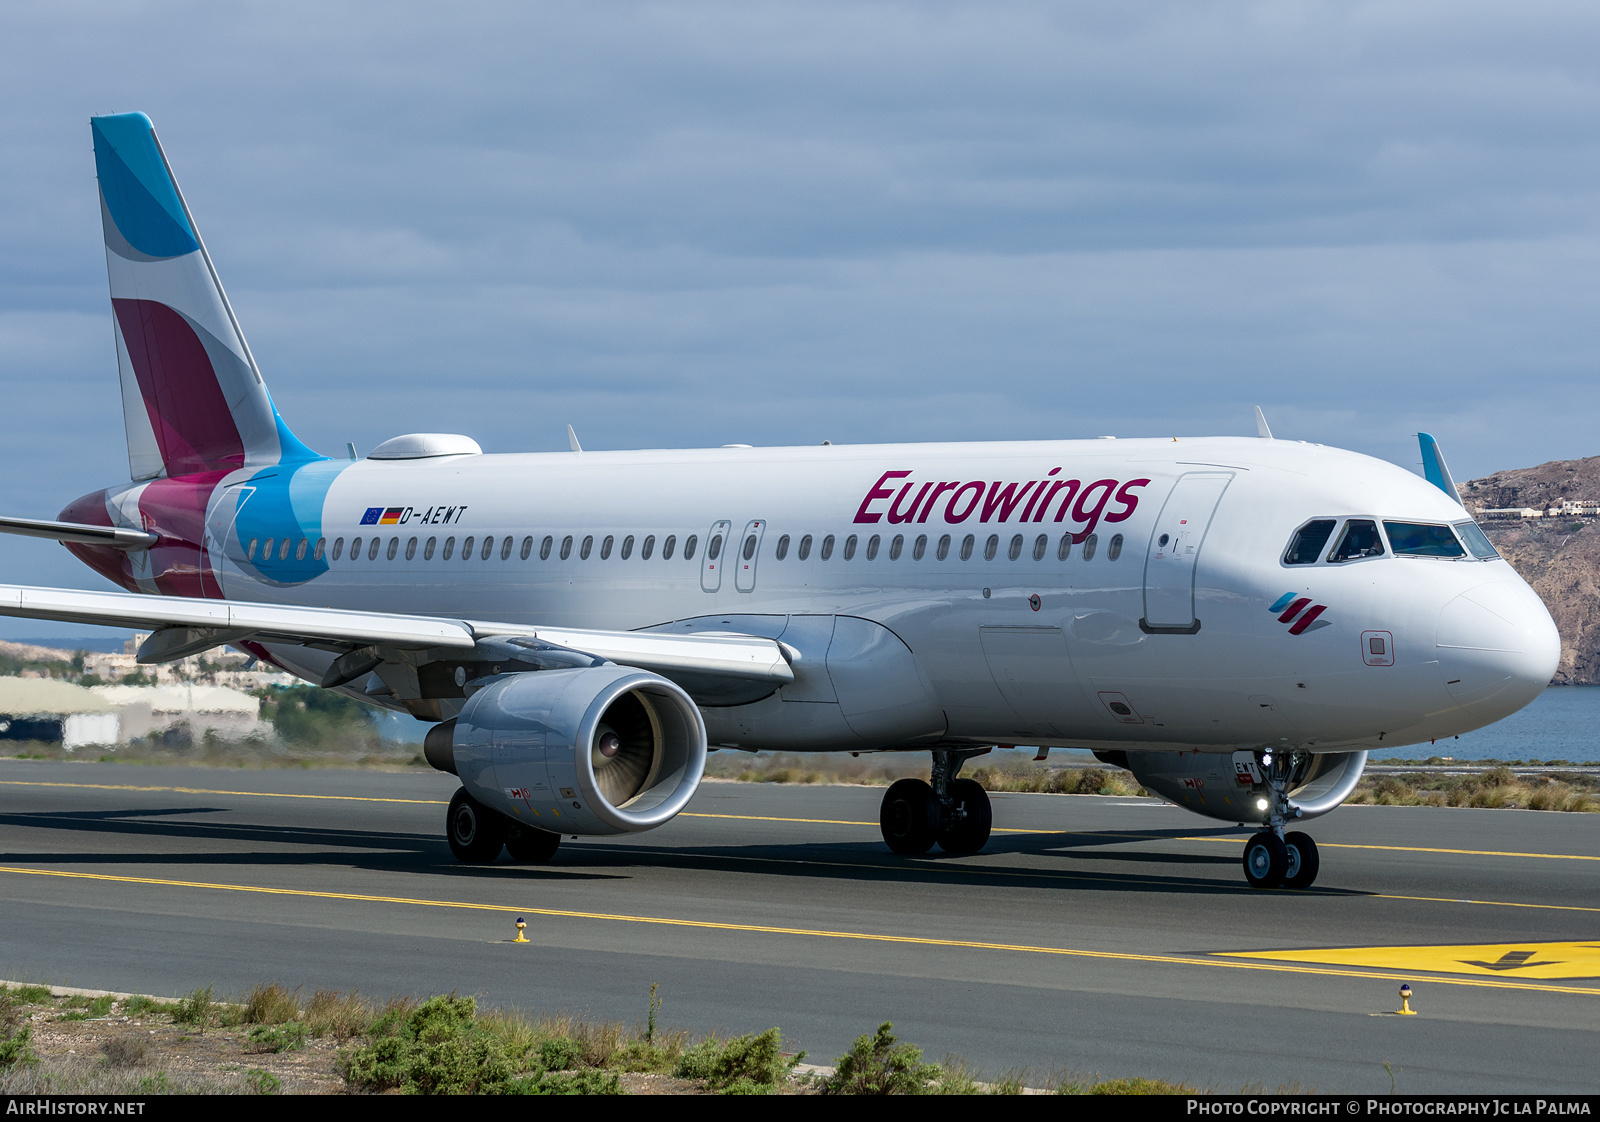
(1360,540)
(1308,542)
(1478,542)
(1416,539)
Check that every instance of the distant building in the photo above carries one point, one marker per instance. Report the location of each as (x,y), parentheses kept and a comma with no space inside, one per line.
(147,710)
(49,710)
(1567,508)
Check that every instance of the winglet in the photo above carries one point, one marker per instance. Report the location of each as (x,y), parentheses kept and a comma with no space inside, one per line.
(572,439)
(1261,425)
(1433,466)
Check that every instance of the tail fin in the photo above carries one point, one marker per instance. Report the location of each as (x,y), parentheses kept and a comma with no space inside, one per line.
(192,397)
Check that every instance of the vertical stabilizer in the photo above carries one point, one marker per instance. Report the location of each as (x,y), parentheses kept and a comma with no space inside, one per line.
(1433,466)
(192,398)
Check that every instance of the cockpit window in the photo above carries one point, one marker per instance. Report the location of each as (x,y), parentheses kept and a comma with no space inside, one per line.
(1308,542)
(1360,540)
(1415,539)
(1478,543)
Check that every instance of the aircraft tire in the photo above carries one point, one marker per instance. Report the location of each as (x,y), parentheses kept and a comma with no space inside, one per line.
(909,817)
(1266,860)
(970,832)
(1303,864)
(474,833)
(532,847)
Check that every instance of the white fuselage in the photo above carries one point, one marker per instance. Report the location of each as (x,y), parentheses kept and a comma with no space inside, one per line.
(1162,612)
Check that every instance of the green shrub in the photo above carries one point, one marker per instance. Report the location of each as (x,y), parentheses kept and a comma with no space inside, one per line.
(139,1005)
(15,1050)
(279,1038)
(876,1065)
(560,1054)
(262,1082)
(198,1009)
(441,1048)
(750,1064)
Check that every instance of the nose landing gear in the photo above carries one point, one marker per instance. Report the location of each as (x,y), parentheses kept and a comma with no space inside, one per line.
(1273,858)
(953,812)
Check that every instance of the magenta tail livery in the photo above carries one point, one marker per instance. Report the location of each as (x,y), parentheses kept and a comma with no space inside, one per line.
(1236,621)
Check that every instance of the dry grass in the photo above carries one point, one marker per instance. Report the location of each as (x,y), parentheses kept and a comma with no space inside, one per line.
(881,769)
(1494,788)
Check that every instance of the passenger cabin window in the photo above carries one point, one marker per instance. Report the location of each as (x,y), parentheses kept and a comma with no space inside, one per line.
(688,547)
(895,546)
(1416,539)
(783,548)
(1088,546)
(1114,547)
(943,550)
(449,548)
(1360,540)
(1041,546)
(605,547)
(850,548)
(805,547)
(667,547)
(411,549)
(338,547)
(1064,550)
(627,547)
(1306,545)
(1478,542)
(544,547)
(827,547)
(372,550)
(920,548)
(648,547)
(427,550)
(527,548)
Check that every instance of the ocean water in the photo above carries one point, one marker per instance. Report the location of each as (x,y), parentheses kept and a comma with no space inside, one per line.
(1563,723)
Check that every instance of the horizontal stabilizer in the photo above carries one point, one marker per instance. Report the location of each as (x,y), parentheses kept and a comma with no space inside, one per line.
(83,534)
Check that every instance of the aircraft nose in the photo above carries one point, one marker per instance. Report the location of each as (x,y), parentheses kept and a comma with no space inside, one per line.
(1498,648)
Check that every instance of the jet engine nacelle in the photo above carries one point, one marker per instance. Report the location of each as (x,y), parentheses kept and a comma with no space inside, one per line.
(1212,784)
(594,750)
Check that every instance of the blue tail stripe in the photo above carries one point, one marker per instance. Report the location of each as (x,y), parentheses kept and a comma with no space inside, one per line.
(138,191)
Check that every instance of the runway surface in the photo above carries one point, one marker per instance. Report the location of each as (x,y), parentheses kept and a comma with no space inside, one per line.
(1096,935)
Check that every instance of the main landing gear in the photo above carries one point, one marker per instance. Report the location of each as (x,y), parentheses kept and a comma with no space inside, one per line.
(477,834)
(953,812)
(1273,858)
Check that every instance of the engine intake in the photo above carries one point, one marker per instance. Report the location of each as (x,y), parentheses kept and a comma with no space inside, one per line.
(595,750)
(1207,782)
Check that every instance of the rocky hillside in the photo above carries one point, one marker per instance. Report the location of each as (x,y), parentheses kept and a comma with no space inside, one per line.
(1560,557)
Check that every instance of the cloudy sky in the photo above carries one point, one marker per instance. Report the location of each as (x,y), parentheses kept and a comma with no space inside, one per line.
(696,224)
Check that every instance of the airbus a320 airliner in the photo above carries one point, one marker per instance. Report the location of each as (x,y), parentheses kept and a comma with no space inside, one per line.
(1235,621)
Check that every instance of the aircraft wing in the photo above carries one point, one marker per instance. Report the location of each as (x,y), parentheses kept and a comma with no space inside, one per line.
(182,626)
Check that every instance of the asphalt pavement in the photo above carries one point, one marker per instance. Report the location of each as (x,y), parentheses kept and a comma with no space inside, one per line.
(1095,936)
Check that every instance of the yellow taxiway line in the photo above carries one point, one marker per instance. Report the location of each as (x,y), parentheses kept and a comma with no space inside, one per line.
(815,933)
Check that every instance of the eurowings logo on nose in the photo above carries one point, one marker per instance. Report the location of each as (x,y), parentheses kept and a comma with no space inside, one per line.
(1291,605)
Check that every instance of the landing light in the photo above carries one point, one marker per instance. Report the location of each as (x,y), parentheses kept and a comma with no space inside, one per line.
(1261,804)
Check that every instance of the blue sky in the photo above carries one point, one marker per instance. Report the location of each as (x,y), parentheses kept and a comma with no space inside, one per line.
(692,224)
